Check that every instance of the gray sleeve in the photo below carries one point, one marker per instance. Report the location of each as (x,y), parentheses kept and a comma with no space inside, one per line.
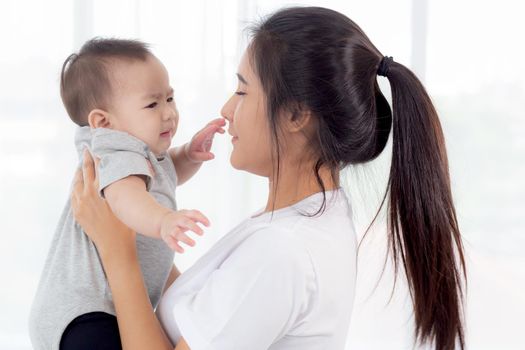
(121,155)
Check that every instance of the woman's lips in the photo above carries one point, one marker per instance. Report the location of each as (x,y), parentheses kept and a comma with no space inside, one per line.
(235,138)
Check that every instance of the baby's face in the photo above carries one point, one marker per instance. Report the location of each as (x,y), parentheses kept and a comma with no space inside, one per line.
(143,104)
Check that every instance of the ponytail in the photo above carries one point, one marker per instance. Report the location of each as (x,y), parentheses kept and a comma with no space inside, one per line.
(423,229)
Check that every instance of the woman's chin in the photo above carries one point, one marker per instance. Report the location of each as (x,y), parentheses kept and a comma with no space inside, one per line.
(235,163)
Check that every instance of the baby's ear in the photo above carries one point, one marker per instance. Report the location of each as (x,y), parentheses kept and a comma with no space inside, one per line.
(99,118)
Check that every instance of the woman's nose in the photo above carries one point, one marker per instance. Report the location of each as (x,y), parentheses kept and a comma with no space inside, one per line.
(227,110)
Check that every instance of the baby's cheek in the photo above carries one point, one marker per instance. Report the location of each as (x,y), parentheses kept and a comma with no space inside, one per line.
(176,122)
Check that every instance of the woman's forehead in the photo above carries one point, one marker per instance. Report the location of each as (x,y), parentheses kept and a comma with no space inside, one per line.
(246,71)
(245,67)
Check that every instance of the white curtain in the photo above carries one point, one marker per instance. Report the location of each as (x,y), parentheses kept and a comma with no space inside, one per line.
(468,53)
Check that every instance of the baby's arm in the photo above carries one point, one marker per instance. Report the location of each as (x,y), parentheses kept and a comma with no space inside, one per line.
(136,208)
(184,166)
(188,158)
(134,205)
(124,180)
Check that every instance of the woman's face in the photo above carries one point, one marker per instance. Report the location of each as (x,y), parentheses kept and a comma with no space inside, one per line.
(249,123)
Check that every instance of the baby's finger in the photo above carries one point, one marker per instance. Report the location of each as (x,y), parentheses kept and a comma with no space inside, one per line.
(206,133)
(196,215)
(202,156)
(198,141)
(206,144)
(184,238)
(178,248)
(218,121)
(192,226)
(173,244)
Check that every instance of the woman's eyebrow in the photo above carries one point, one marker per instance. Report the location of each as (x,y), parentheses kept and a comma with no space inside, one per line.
(241,79)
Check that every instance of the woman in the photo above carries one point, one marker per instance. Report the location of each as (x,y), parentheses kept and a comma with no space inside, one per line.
(307,105)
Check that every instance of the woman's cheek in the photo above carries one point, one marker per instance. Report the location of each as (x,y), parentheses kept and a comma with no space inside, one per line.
(236,158)
(237,114)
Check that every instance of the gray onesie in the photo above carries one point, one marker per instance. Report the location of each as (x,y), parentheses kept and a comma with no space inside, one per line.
(73,281)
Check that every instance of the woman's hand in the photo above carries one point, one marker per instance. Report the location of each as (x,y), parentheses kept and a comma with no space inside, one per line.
(93,213)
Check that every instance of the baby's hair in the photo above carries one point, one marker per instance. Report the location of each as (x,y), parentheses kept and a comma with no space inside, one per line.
(85,82)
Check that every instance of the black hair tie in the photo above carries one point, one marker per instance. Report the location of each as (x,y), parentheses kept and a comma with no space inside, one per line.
(384,65)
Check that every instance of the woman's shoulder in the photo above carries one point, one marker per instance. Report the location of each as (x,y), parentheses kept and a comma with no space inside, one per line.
(304,226)
(277,242)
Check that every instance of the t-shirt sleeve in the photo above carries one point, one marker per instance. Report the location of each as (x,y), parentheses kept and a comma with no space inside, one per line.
(254,298)
(121,155)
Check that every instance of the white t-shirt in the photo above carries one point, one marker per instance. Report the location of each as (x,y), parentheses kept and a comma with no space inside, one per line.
(278,283)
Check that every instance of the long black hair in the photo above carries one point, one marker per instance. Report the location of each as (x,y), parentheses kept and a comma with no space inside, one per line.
(316,59)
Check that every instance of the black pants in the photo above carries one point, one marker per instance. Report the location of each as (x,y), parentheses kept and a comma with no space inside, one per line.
(92,331)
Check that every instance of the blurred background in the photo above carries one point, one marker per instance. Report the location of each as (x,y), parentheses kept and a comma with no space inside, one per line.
(469,54)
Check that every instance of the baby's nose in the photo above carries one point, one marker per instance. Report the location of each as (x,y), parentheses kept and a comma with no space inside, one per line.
(171,113)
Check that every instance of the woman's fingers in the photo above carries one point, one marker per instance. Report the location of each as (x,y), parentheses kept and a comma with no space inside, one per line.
(77,195)
(77,190)
(95,183)
(88,170)
(78,183)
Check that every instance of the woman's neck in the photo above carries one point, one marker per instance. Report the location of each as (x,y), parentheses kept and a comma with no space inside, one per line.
(295,185)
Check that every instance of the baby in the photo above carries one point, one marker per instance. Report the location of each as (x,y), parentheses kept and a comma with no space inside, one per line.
(119,94)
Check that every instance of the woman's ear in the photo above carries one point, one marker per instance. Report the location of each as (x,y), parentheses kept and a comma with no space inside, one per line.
(99,118)
(299,120)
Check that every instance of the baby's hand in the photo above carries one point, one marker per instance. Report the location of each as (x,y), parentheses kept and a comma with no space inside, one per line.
(176,223)
(198,149)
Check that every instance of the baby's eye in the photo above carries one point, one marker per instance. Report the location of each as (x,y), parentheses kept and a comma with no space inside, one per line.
(170,99)
(240,93)
(152,105)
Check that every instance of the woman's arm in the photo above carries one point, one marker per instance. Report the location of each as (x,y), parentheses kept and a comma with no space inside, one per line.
(139,328)
(138,325)
(174,274)
(182,345)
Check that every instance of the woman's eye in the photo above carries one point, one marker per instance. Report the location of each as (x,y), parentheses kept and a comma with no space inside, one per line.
(240,93)
(152,105)
(170,99)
